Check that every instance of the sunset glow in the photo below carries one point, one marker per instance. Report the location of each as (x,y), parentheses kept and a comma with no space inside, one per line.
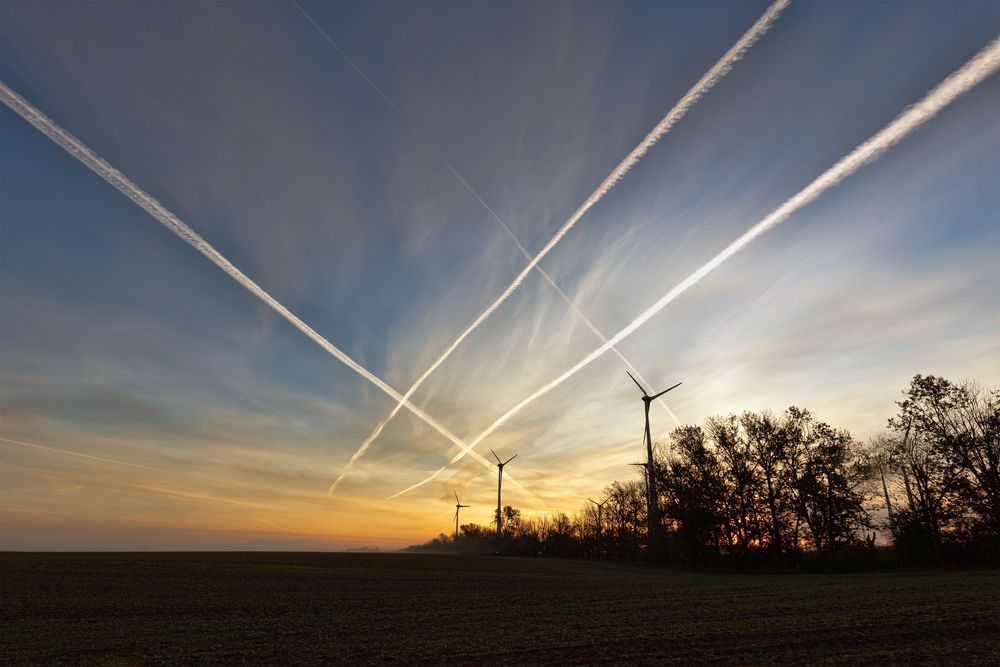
(401,199)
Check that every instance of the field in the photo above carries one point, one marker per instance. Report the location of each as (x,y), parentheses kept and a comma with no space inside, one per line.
(227,608)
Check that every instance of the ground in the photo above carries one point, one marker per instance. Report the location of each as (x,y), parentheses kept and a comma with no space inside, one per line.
(228,608)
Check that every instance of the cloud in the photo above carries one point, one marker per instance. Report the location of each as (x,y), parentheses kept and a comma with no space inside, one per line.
(291,167)
(677,112)
(983,65)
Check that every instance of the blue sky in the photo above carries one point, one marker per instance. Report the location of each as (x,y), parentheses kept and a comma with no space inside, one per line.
(119,341)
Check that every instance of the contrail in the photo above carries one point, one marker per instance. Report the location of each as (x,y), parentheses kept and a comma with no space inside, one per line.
(707,81)
(99,166)
(373,436)
(170,493)
(72,453)
(983,65)
(475,194)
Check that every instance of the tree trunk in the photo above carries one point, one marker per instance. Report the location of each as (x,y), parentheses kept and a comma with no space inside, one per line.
(885,492)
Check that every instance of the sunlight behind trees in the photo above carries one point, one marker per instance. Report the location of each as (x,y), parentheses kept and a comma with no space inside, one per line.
(764,489)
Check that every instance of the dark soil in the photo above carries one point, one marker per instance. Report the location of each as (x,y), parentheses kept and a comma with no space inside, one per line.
(278,608)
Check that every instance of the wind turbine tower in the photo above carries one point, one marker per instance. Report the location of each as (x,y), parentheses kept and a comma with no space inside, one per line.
(652,497)
(458,506)
(500,465)
(645,475)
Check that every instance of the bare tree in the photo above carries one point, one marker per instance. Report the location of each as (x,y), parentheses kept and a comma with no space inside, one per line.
(767,438)
(960,425)
(826,478)
(880,459)
(742,482)
(694,492)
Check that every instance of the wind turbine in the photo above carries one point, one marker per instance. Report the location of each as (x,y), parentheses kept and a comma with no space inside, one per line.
(652,499)
(500,465)
(458,506)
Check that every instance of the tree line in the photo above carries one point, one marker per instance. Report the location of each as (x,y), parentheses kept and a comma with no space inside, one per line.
(781,490)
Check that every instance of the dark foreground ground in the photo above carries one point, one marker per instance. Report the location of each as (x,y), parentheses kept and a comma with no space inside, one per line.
(230,608)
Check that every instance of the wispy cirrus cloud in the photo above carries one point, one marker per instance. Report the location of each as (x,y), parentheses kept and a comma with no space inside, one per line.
(303,178)
(982,66)
(95,163)
(675,114)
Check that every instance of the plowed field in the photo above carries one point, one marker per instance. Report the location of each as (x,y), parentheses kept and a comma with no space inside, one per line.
(231,608)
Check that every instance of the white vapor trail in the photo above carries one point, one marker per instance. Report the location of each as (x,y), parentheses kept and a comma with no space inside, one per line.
(99,166)
(465,184)
(170,493)
(707,81)
(373,436)
(983,65)
(82,456)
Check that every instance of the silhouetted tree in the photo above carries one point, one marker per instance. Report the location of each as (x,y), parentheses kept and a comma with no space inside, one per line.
(767,437)
(880,458)
(626,516)
(741,483)
(933,486)
(562,537)
(693,489)
(763,489)
(825,477)
(954,431)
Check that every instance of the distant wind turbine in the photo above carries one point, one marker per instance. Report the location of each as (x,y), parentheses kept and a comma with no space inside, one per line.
(652,499)
(458,506)
(673,116)
(982,66)
(500,465)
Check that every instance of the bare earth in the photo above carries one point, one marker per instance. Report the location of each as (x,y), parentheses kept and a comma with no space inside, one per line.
(277,608)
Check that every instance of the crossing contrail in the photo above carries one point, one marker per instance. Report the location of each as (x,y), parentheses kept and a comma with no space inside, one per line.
(373,436)
(704,84)
(983,65)
(147,202)
(377,431)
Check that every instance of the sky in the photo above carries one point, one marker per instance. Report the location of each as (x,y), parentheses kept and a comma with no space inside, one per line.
(148,401)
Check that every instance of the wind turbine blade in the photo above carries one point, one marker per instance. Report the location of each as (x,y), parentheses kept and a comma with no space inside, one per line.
(666,390)
(510,459)
(456,497)
(637,384)
(495,456)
